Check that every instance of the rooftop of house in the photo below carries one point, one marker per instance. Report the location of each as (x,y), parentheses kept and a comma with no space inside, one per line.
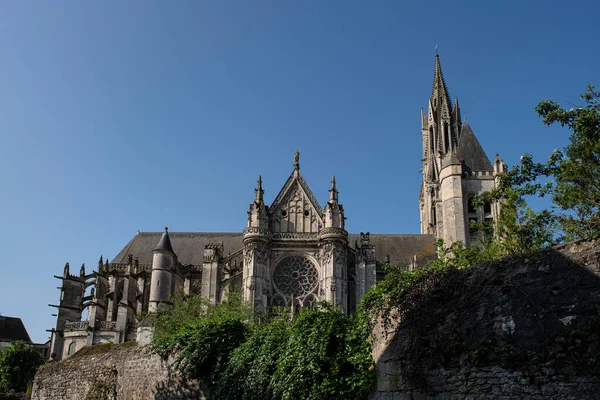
(12,329)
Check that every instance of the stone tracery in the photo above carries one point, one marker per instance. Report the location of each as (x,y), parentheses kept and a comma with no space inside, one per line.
(295,276)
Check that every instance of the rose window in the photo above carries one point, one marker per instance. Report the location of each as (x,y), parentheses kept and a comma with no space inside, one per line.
(295,276)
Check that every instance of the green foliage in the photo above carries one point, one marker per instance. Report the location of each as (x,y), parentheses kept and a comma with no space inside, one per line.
(571,177)
(519,228)
(577,173)
(188,310)
(326,357)
(319,354)
(18,365)
(390,292)
(252,365)
(202,335)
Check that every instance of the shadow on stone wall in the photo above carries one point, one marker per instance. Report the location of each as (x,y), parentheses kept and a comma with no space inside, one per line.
(176,388)
(527,326)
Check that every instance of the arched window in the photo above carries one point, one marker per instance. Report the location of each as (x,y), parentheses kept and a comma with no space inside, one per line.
(470,206)
(431,144)
(446,138)
(118,296)
(71,349)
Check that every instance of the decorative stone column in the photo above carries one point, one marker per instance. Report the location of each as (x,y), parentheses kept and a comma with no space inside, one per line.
(334,267)
(211,273)
(366,268)
(256,283)
(256,275)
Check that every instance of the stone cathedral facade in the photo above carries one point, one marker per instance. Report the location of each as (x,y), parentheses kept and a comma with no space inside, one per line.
(292,252)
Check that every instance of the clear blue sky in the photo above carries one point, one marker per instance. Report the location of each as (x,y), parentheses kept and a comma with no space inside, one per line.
(118,116)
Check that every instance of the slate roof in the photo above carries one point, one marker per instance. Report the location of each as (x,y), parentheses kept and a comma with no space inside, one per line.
(470,151)
(12,329)
(400,247)
(189,246)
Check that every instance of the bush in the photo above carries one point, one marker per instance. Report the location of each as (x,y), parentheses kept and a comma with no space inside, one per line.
(18,365)
(319,354)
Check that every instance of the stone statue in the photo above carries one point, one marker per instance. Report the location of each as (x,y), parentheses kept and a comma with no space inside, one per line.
(297,160)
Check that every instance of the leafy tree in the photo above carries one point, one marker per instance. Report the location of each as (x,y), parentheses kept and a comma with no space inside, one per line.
(18,365)
(571,177)
(576,169)
(518,229)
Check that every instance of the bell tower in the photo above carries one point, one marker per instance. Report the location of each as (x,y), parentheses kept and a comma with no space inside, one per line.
(455,169)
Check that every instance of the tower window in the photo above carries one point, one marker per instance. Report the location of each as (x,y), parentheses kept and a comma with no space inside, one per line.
(446,137)
(71,349)
(431,145)
(470,206)
(487,208)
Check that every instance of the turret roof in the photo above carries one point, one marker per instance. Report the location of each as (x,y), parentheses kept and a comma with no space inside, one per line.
(165,243)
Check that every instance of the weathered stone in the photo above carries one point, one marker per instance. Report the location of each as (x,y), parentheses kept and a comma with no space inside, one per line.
(124,372)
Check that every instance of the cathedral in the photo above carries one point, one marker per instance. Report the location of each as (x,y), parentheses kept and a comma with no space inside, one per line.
(292,252)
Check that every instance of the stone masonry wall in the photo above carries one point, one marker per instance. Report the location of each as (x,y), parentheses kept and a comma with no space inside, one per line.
(526,327)
(493,382)
(124,372)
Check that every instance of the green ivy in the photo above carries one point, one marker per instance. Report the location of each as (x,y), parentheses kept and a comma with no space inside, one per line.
(320,353)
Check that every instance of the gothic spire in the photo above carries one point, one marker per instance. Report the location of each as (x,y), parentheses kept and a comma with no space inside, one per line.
(456,110)
(333,193)
(165,243)
(439,91)
(456,113)
(258,192)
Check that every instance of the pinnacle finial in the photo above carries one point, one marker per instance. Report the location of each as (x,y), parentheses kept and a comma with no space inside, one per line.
(259,191)
(436,50)
(297,160)
(166,229)
(333,193)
